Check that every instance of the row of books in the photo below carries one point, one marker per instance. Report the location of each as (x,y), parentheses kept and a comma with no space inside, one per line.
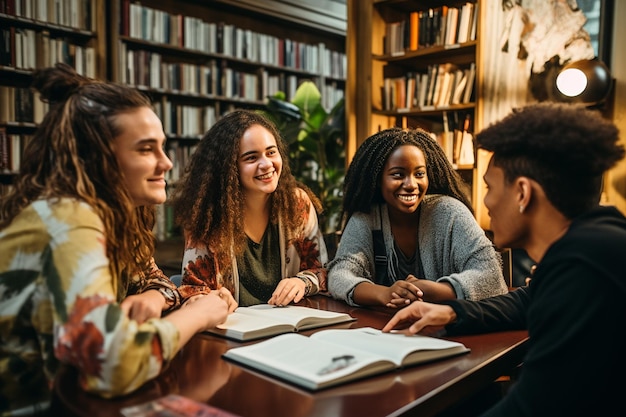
(79,14)
(20,104)
(193,33)
(29,49)
(437,26)
(331,94)
(440,86)
(148,69)
(271,84)
(457,140)
(11,149)
(164,227)
(184,120)
(180,155)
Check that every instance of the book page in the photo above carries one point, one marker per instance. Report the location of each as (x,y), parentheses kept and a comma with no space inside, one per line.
(401,349)
(466,155)
(244,322)
(308,362)
(263,320)
(297,316)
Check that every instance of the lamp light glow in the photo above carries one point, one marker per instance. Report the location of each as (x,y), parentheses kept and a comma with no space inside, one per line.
(571,82)
(586,81)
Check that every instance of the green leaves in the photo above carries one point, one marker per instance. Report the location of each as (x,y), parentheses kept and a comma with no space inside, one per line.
(308,99)
(316,140)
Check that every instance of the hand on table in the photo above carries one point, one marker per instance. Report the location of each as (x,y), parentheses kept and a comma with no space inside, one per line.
(288,290)
(214,306)
(222,293)
(417,316)
(404,292)
(144,306)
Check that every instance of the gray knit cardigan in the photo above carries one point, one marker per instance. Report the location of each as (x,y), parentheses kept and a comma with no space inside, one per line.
(452,248)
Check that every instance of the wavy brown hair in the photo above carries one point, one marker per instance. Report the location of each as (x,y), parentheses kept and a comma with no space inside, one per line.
(209,202)
(71,156)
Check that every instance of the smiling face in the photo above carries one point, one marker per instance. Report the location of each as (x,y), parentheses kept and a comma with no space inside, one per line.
(140,155)
(404,180)
(259,162)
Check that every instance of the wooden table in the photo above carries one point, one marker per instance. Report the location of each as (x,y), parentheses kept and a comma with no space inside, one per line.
(199,372)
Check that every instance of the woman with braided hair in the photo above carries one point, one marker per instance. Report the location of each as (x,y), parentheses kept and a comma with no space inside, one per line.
(409,233)
(78,282)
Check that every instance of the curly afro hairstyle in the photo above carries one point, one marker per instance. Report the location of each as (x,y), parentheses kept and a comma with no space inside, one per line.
(566,148)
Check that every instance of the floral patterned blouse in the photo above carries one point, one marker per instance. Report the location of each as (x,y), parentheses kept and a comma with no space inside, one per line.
(59,303)
(305,255)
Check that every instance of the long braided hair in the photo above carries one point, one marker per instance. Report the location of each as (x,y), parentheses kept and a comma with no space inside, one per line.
(71,156)
(362,181)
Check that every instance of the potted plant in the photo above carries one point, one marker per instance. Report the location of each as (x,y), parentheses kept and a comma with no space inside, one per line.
(316,140)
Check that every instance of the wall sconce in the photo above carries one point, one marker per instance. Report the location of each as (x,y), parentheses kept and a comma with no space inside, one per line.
(586,81)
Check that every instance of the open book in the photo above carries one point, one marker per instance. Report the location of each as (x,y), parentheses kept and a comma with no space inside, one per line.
(262,320)
(334,356)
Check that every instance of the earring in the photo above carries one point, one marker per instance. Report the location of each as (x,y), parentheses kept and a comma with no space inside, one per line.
(521,209)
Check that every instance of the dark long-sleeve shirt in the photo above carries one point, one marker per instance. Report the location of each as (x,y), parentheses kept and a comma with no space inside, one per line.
(575,314)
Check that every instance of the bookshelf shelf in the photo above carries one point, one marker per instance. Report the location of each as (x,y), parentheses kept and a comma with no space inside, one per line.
(8,70)
(198,60)
(196,55)
(53,28)
(190,84)
(7,178)
(434,112)
(36,35)
(435,53)
(197,97)
(420,58)
(19,127)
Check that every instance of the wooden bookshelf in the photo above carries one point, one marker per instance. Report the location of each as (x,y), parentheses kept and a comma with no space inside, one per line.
(198,60)
(35,35)
(414,61)
(162,47)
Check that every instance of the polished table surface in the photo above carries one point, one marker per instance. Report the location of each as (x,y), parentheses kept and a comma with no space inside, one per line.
(199,372)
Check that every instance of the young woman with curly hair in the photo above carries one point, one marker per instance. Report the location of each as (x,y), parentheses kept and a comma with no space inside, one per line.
(78,283)
(248,225)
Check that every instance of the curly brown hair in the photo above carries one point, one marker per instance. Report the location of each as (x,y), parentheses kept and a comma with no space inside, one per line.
(362,182)
(566,148)
(208,202)
(71,156)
